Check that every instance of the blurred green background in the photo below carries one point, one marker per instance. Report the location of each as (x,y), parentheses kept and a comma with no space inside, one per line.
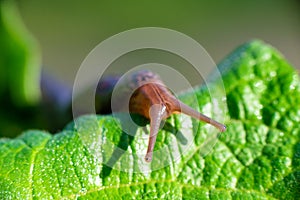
(68,30)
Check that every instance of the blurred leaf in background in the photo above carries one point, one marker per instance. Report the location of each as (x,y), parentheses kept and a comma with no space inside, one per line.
(20,63)
(21,103)
(20,58)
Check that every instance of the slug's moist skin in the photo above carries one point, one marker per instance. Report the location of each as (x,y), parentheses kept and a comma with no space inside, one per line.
(150,98)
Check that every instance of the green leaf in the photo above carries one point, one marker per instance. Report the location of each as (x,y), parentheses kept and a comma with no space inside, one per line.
(19,58)
(258,157)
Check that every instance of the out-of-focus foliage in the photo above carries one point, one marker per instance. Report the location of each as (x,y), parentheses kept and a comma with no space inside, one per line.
(19,59)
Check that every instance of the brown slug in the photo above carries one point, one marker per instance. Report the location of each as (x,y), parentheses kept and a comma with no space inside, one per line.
(150,98)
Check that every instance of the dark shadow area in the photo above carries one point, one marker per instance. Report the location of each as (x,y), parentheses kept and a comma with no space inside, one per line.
(176,132)
(124,143)
(127,137)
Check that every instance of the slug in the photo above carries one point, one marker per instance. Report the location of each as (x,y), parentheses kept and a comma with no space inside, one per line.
(150,98)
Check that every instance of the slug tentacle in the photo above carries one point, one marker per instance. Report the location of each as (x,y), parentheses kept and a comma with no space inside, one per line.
(157,113)
(193,113)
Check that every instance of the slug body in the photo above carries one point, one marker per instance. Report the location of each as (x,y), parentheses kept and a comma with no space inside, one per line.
(150,98)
